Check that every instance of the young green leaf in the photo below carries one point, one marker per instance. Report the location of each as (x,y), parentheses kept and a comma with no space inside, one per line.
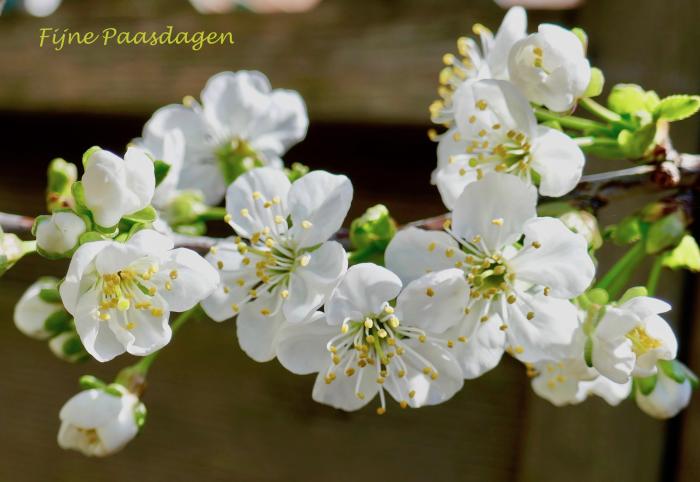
(677,107)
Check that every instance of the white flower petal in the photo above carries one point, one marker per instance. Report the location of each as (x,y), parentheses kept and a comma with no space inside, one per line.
(81,261)
(614,360)
(364,289)
(90,409)
(311,285)
(561,262)
(613,393)
(558,160)
(414,252)
(150,333)
(512,29)
(97,336)
(246,198)
(495,209)
(301,347)
(342,392)
(484,345)
(205,178)
(434,302)
(284,123)
(318,204)
(186,279)
(257,332)
(236,281)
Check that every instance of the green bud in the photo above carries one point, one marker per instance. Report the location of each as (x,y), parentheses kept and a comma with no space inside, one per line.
(631,293)
(236,158)
(61,176)
(598,296)
(627,231)
(666,233)
(596,84)
(185,208)
(12,249)
(374,228)
(296,171)
(631,99)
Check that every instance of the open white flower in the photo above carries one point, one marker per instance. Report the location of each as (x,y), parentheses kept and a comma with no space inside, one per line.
(121,294)
(362,347)
(32,311)
(98,423)
(496,130)
(488,62)
(59,233)
(498,293)
(667,398)
(550,67)
(631,338)
(569,381)
(242,123)
(115,187)
(274,271)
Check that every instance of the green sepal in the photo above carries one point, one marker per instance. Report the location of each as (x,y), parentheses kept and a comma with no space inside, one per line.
(588,352)
(114,390)
(297,171)
(677,107)
(635,144)
(37,221)
(79,195)
(631,99)
(582,36)
(673,369)
(596,84)
(90,237)
(58,322)
(627,231)
(73,348)
(685,256)
(646,385)
(634,292)
(690,376)
(146,215)
(161,170)
(598,296)
(89,153)
(88,382)
(50,295)
(140,415)
(666,233)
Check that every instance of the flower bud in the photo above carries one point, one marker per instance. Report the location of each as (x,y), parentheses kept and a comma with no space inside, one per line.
(113,187)
(36,307)
(185,208)
(669,395)
(374,227)
(58,235)
(100,422)
(666,233)
(68,347)
(585,224)
(61,176)
(11,250)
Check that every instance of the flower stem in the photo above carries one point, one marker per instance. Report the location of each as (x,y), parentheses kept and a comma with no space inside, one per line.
(213,213)
(600,111)
(571,122)
(615,279)
(654,276)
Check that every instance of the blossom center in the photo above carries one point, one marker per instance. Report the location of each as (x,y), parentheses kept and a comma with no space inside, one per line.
(235,158)
(642,342)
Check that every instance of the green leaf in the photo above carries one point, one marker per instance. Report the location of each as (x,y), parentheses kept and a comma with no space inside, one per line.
(666,233)
(646,385)
(161,170)
(635,144)
(146,215)
(684,256)
(673,369)
(89,153)
(677,107)
(633,292)
(595,86)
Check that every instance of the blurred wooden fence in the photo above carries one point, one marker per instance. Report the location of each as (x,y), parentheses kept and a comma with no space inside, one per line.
(367,70)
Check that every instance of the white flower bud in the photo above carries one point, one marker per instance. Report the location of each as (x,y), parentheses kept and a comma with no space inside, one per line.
(68,347)
(115,187)
(98,423)
(550,67)
(59,234)
(667,399)
(31,311)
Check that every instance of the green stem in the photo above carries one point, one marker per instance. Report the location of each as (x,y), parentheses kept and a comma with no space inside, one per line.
(142,366)
(654,276)
(570,122)
(213,213)
(629,260)
(600,111)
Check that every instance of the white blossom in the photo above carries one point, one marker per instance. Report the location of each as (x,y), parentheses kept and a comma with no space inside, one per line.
(115,187)
(31,311)
(98,423)
(499,294)
(276,272)
(550,67)
(59,233)
(241,123)
(667,398)
(121,294)
(362,347)
(169,148)
(488,62)
(631,338)
(496,130)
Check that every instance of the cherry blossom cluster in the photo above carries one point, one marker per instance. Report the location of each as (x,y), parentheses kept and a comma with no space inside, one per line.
(404,314)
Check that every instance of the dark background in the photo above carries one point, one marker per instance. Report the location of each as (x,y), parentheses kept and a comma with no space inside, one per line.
(368,71)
